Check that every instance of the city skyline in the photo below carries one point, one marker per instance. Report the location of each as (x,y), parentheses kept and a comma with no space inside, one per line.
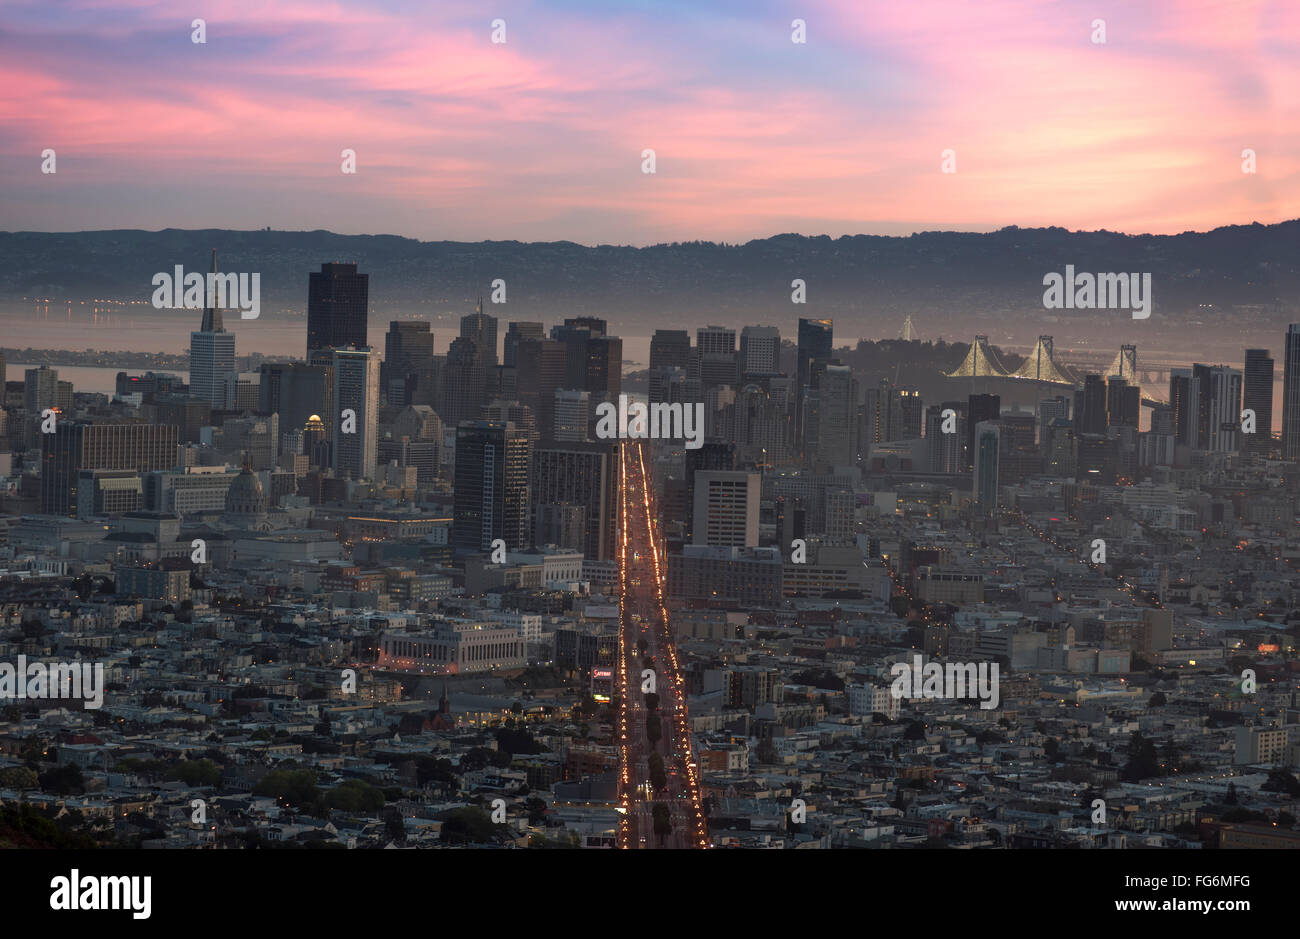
(584,506)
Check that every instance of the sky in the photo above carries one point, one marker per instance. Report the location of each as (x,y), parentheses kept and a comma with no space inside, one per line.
(541,138)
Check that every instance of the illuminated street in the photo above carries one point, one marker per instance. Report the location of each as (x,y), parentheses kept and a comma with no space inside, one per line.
(645,642)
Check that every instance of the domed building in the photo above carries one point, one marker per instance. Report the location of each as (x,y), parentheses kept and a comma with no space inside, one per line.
(315,445)
(246,502)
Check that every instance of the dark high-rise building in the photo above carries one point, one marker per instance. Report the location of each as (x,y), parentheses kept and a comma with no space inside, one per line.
(408,360)
(492,494)
(1018,452)
(836,439)
(1185,399)
(80,445)
(337,305)
(604,368)
(1051,409)
(669,349)
(814,351)
(40,389)
(1205,387)
(482,328)
(946,451)
(465,381)
(1123,402)
(815,343)
(585,475)
(296,391)
(187,414)
(1060,449)
(594,324)
(1098,458)
(716,348)
(1222,407)
(760,350)
(1291,394)
(890,413)
(987,461)
(1091,415)
(521,415)
(791,523)
(1162,420)
(516,332)
(1258,397)
(979,408)
(540,369)
(593,359)
(713,456)
(761,425)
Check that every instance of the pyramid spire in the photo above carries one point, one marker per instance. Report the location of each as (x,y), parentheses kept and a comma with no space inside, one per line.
(212,321)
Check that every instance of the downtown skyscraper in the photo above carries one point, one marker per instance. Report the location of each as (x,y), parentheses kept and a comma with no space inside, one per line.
(337,304)
(355,444)
(987,460)
(482,329)
(1258,397)
(814,351)
(1291,394)
(213,377)
(760,350)
(492,487)
(671,353)
(1222,390)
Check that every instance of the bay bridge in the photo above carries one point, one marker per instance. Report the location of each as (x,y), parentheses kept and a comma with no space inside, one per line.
(1043,365)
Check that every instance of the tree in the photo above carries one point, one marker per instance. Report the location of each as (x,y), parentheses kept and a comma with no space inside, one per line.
(536,810)
(356,796)
(658,779)
(293,788)
(18,777)
(663,822)
(63,780)
(1158,700)
(439,771)
(469,825)
(197,772)
(395,828)
(1279,780)
(516,740)
(1142,761)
